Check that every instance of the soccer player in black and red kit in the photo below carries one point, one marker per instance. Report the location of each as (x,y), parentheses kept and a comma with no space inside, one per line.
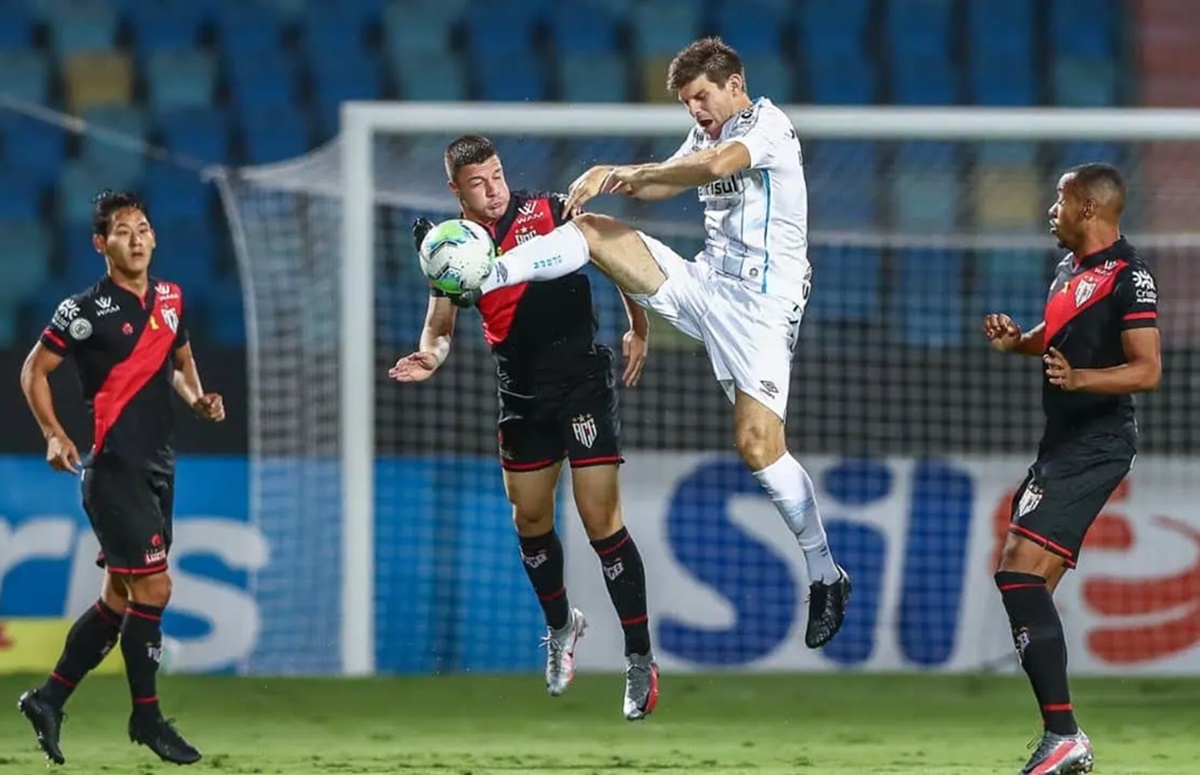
(128,337)
(557,400)
(1099,344)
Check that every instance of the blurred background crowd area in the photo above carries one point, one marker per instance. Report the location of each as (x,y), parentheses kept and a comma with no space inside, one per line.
(258,81)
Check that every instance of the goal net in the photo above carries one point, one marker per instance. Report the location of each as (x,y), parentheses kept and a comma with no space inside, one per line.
(391,537)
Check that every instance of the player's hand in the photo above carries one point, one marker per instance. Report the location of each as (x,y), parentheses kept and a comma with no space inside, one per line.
(211,407)
(1059,371)
(1003,333)
(633,347)
(466,299)
(420,227)
(62,455)
(597,180)
(417,367)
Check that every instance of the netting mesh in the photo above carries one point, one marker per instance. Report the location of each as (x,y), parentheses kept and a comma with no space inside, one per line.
(915,430)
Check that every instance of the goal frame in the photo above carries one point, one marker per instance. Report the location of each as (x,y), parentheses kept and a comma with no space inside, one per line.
(361,121)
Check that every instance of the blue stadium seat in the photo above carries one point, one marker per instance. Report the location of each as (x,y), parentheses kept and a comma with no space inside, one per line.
(32,146)
(1007,152)
(521,79)
(927,300)
(769,76)
(593,78)
(918,28)
(926,188)
(1003,80)
(26,260)
(181,79)
(1084,28)
(1076,153)
(585,29)
(249,30)
(1000,28)
(25,75)
(408,33)
(201,133)
(83,25)
(847,284)
(1012,282)
(23,195)
(274,132)
(16,34)
(186,254)
(83,265)
(841,80)
(842,184)
(492,32)
(336,80)
(261,80)
(663,28)
(130,124)
(833,29)
(170,25)
(420,77)
(329,31)
(754,31)
(924,80)
(1084,83)
(176,194)
(226,317)
(578,155)
(527,161)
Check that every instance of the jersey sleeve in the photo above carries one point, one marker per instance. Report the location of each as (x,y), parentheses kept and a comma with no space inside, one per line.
(763,132)
(68,326)
(686,148)
(181,329)
(1137,297)
(558,204)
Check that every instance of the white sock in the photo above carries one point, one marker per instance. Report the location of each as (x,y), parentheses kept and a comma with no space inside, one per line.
(547,257)
(792,492)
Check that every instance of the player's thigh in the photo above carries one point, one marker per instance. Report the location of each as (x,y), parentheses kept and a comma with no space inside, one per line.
(681,298)
(531,453)
(1062,496)
(592,431)
(751,340)
(127,519)
(619,252)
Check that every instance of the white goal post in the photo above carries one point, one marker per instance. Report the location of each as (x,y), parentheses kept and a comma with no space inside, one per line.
(363,122)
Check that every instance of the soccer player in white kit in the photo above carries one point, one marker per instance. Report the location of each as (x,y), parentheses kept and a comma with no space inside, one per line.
(743,296)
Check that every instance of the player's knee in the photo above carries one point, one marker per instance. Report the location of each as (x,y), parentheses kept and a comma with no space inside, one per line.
(114,594)
(531,519)
(601,517)
(597,227)
(758,446)
(152,590)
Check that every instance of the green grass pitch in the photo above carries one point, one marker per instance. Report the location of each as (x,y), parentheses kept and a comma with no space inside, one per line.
(827,724)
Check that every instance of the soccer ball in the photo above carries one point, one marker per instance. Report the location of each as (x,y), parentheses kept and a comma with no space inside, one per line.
(457,256)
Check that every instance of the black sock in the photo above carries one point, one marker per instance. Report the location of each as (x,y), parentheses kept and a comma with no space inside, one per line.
(542,557)
(141,645)
(626,579)
(91,638)
(1038,636)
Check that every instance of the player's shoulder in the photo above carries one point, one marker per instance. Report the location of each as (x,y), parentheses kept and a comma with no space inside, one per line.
(166,290)
(761,112)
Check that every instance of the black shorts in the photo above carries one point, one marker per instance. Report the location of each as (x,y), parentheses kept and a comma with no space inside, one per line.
(130,510)
(1067,487)
(582,425)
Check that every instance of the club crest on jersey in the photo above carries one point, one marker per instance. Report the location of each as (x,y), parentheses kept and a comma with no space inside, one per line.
(1030,499)
(584,428)
(1084,290)
(171,318)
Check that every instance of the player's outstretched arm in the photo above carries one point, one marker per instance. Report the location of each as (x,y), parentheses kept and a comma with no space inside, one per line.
(660,179)
(186,381)
(61,453)
(1006,336)
(434,347)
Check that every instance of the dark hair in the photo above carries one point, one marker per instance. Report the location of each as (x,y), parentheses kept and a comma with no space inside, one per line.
(1101,181)
(707,56)
(108,204)
(468,149)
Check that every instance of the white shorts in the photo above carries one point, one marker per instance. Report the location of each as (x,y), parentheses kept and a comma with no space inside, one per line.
(750,337)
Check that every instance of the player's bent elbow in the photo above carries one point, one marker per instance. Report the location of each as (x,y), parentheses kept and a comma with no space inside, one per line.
(1153,379)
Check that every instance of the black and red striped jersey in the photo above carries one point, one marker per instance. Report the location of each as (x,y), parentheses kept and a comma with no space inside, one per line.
(122,346)
(1092,300)
(542,333)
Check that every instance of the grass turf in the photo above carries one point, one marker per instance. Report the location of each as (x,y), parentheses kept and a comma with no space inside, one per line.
(828,724)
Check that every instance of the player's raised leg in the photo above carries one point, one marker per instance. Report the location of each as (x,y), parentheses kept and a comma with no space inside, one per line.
(761,442)
(1041,646)
(89,640)
(141,646)
(531,493)
(597,497)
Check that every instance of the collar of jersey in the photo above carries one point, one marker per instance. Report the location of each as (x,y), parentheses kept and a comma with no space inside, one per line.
(1118,249)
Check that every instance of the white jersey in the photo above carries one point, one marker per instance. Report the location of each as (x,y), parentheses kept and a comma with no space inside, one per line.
(756,220)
